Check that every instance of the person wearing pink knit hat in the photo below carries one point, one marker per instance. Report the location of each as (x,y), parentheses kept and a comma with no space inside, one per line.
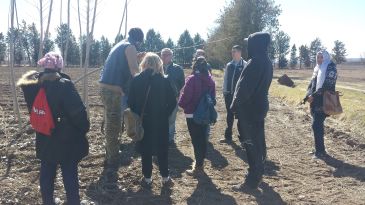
(65,143)
(52,61)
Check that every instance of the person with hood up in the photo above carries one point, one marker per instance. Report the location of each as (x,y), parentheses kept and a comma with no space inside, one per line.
(196,85)
(251,104)
(67,143)
(323,79)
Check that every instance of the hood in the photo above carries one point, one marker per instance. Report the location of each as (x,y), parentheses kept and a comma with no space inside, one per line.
(206,79)
(258,44)
(29,78)
(34,77)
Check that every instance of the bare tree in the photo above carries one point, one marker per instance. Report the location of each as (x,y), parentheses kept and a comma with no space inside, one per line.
(89,37)
(40,53)
(13,89)
(126,18)
(121,23)
(68,31)
(42,40)
(78,12)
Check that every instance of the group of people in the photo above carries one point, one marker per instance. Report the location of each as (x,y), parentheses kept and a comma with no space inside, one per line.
(154,86)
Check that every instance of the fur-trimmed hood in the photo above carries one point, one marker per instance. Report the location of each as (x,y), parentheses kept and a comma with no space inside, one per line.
(34,77)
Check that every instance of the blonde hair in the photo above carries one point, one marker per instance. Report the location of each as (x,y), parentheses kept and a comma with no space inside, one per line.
(152,61)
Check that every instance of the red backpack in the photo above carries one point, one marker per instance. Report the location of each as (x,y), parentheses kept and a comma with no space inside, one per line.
(41,117)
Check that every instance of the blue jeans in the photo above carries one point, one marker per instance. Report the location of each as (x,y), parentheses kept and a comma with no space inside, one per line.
(172,126)
(70,181)
(318,131)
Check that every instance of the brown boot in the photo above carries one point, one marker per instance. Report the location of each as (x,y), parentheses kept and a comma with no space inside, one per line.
(196,170)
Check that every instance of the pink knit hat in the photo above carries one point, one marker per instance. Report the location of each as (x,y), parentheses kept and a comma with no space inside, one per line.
(51,60)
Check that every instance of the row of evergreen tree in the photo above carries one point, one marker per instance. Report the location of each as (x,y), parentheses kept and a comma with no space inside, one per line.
(236,21)
(27,41)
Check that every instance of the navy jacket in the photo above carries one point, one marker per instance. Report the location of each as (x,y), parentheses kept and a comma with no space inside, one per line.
(176,75)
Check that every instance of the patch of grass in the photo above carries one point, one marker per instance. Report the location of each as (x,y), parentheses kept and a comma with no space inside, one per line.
(352,101)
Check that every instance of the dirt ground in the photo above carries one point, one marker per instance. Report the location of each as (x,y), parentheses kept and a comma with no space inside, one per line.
(291,175)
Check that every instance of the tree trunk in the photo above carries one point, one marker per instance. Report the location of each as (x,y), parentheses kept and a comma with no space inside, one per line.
(120,26)
(40,53)
(48,22)
(78,12)
(68,32)
(126,19)
(88,46)
(13,88)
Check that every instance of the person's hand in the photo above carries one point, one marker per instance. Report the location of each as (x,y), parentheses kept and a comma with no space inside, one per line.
(310,99)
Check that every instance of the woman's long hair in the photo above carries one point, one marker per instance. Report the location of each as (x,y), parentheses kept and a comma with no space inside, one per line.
(200,66)
(152,61)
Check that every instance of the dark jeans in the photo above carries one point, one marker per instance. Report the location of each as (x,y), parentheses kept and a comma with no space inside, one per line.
(255,145)
(230,116)
(162,159)
(318,130)
(70,181)
(198,138)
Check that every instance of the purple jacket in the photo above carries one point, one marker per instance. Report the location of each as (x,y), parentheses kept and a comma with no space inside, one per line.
(195,86)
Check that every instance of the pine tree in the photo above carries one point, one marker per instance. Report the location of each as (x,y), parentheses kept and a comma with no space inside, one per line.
(185,51)
(315,47)
(169,43)
(198,41)
(293,57)
(2,48)
(304,57)
(339,52)
(153,42)
(282,46)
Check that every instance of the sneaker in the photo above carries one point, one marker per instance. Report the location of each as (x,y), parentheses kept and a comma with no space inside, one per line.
(195,171)
(146,183)
(225,140)
(167,181)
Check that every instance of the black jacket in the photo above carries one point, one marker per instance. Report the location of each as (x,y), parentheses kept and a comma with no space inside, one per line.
(175,74)
(328,85)
(250,99)
(68,139)
(231,76)
(160,104)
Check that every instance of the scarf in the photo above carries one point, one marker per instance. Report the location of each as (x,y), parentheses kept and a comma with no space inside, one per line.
(320,70)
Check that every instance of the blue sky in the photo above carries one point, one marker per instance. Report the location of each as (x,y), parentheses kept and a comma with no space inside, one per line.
(303,20)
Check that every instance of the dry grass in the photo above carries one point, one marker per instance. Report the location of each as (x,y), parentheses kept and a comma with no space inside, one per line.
(352,100)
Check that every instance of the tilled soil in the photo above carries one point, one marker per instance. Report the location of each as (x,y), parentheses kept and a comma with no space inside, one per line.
(291,175)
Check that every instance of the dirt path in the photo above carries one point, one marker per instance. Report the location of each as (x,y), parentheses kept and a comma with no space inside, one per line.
(291,176)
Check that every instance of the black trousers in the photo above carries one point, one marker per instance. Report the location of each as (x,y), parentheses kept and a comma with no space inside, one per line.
(230,118)
(198,138)
(70,181)
(318,131)
(162,158)
(255,145)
